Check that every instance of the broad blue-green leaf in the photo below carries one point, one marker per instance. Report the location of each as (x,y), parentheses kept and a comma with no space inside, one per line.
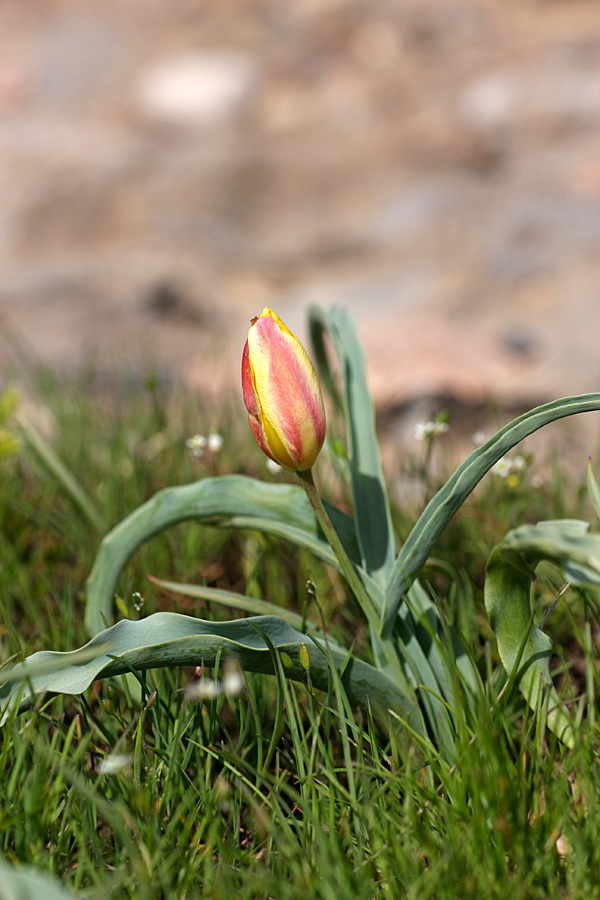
(431,664)
(453,494)
(509,573)
(424,611)
(233,501)
(372,517)
(27,883)
(422,660)
(170,639)
(422,657)
(318,326)
(46,666)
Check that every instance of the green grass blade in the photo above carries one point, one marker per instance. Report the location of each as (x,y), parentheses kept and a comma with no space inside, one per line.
(238,601)
(452,495)
(55,466)
(232,501)
(170,639)
(593,489)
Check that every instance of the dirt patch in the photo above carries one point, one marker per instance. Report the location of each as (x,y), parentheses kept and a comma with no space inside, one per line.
(167,172)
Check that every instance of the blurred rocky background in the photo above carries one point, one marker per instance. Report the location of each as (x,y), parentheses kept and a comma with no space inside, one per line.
(168,168)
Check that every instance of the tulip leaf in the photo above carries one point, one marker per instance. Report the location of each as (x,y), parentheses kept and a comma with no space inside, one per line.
(170,639)
(452,495)
(233,501)
(372,516)
(318,327)
(417,631)
(437,662)
(510,570)
(29,883)
(45,666)
(422,658)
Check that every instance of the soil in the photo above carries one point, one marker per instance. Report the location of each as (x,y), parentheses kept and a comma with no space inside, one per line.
(168,169)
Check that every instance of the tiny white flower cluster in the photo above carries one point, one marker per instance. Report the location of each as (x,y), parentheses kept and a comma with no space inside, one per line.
(199,443)
(207,688)
(505,467)
(273,467)
(114,762)
(430,429)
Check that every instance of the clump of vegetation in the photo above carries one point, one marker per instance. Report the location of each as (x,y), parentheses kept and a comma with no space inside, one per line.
(387,752)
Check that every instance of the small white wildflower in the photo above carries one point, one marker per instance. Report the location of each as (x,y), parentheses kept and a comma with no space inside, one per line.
(502,467)
(214,442)
(430,429)
(423,430)
(273,467)
(114,762)
(479,438)
(233,680)
(233,683)
(505,466)
(203,689)
(196,445)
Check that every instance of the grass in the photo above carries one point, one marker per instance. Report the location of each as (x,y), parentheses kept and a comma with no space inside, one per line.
(136,790)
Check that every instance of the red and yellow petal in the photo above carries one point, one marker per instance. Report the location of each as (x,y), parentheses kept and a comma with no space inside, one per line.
(282,394)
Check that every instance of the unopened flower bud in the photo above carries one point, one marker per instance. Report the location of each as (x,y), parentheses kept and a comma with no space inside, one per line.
(282,394)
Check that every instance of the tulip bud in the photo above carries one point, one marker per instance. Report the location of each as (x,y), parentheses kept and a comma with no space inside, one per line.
(282,394)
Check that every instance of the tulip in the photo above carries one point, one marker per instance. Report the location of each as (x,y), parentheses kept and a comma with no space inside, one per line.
(282,394)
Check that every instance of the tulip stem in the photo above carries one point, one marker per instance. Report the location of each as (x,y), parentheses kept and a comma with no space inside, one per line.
(358,589)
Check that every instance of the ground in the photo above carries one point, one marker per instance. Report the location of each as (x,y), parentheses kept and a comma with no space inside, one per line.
(168,169)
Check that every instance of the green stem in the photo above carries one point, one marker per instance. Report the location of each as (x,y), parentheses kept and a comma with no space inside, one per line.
(385,651)
(358,589)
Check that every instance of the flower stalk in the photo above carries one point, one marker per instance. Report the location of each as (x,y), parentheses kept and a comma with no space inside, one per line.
(365,601)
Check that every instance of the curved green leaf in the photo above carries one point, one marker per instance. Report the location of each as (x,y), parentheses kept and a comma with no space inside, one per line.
(422,660)
(372,516)
(231,501)
(28,883)
(170,639)
(318,326)
(524,649)
(452,495)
